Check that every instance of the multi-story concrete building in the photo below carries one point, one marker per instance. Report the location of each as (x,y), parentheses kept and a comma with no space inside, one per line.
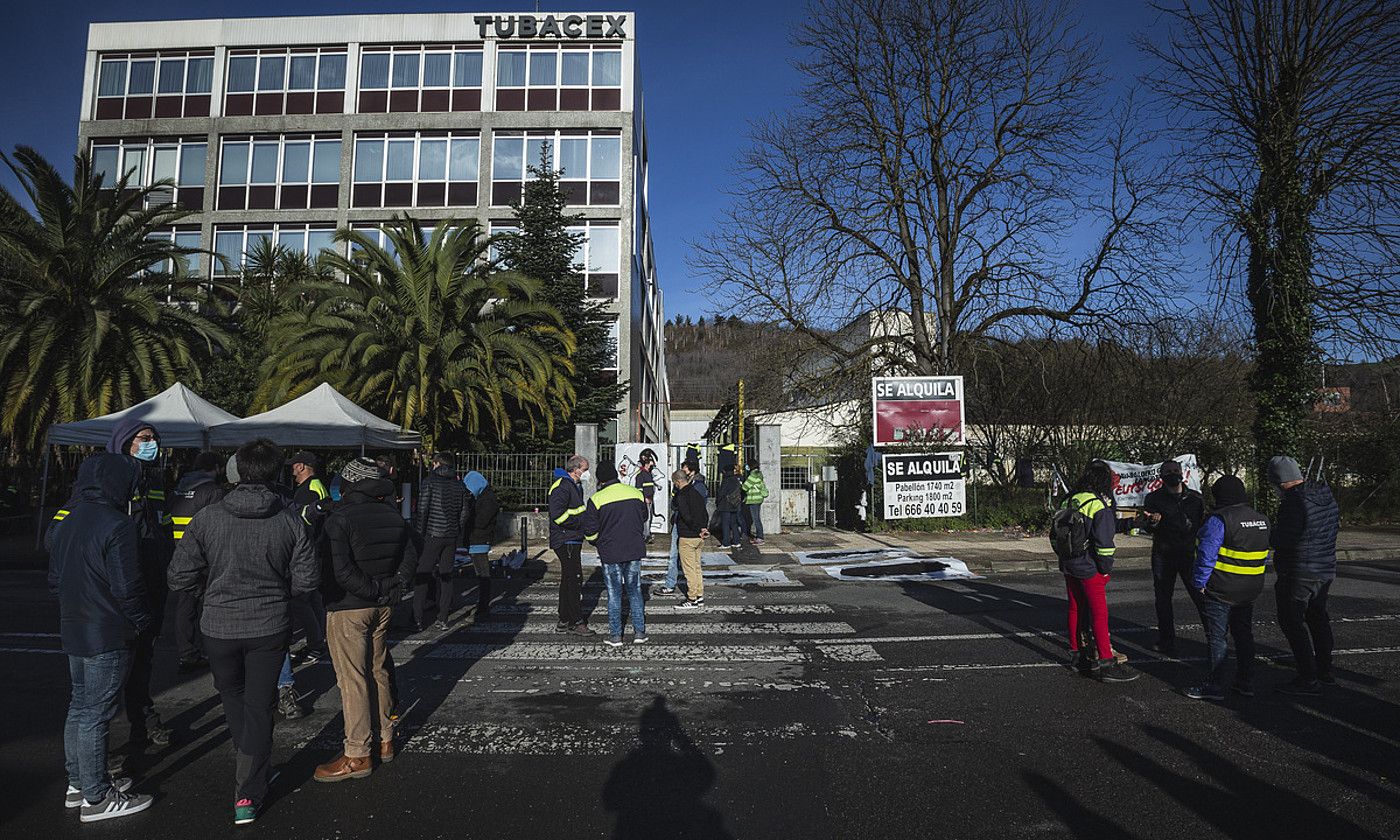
(290,128)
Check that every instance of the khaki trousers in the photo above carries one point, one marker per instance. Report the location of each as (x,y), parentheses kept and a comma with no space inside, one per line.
(689,550)
(356,640)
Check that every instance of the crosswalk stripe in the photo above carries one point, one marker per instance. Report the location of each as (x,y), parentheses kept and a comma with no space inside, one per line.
(679,628)
(654,608)
(629,652)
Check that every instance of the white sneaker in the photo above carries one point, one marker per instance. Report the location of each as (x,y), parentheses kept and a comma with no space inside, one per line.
(640,640)
(74,797)
(115,804)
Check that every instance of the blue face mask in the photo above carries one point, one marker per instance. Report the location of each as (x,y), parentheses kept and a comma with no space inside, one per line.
(147,450)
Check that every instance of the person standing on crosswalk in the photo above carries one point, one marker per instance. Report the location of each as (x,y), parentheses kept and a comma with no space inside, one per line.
(691,529)
(612,522)
(566,506)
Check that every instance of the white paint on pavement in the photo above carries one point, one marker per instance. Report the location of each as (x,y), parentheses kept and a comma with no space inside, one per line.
(689,628)
(629,652)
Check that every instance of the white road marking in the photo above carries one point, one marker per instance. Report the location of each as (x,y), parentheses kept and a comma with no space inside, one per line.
(629,652)
(654,608)
(676,628)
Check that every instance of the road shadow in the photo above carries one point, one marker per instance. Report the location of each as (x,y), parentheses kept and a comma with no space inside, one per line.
(1231,798)
(657,791)
(1078,820)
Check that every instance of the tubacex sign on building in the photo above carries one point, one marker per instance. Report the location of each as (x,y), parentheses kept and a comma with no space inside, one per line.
(287,129)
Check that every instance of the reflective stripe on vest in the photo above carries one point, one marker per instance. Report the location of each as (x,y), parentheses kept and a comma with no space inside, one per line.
(617,492)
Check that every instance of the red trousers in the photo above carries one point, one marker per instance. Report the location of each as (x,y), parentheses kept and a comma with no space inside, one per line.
(1088,604)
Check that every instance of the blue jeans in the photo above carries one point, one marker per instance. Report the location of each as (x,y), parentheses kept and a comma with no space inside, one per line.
(617,577)
(285,678)
(673,569)
(97,680)
(756,519)
(1218,617)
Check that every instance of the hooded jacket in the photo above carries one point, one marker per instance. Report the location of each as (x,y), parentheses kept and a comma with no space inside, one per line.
(485,509)
(247,555)
(442,506)
(614,521)
(367,548)
(93,566)
(148,508)
(1304,536)
(565,510)
(755,491)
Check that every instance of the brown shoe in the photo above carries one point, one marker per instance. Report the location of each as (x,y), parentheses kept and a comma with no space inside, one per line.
(387,751)
(1120,658)
(342,768)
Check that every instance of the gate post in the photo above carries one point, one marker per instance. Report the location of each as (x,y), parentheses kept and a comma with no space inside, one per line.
(770,461)
(586,444)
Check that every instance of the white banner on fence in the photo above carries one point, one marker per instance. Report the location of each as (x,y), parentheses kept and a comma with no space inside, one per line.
(629,463)
(1132,482)
(924,485)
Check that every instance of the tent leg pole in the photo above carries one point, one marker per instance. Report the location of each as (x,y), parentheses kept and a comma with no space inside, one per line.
(43,494)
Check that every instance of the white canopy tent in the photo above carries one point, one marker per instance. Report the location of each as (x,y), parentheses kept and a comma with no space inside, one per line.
(182,417)
(324,418)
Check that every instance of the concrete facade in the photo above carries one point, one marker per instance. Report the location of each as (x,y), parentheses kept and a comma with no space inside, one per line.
(637,303)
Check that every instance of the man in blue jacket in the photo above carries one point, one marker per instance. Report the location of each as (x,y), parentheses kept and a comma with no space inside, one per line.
(566,508)
(1232,550)
(103,609)
(612,521)
(1305,554)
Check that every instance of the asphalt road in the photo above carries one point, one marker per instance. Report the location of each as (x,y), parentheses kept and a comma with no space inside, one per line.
(815,709)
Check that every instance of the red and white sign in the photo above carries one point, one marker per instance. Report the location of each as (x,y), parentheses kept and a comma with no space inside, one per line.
(918,409)
(1132,482)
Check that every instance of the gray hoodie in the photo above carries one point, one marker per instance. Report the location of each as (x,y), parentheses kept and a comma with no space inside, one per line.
(247,555)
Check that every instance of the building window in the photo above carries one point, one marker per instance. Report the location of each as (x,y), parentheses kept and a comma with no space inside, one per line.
(272,82)
(146,161)
(138,86)
(413,78)
(574,77)
(233,243)
(600,257)
(423,169)
(615,338)
(590,163)
(279,172)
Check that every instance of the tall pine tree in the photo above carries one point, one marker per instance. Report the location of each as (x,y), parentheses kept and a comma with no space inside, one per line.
(544,249)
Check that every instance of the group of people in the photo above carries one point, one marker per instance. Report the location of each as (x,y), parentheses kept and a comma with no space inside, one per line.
(1220,554)
(244,562)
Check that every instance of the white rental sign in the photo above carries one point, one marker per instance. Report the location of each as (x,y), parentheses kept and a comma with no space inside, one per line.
(924,485)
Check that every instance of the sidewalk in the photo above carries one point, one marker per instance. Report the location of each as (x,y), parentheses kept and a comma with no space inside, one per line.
(995,552)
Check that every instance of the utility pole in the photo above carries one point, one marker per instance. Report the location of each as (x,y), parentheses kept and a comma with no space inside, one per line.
(740,453)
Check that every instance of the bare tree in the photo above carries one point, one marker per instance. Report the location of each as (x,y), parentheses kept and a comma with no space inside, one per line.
(1290,114)
(957,162)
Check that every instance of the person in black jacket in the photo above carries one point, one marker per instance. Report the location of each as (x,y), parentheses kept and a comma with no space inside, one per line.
(1172,513)
(103,609)
(566,506)
(441,520)
(1304,539)
(692,521)
(370,557)
(612,522)
(139,440)
(728,500)
(247,556)
(198,488)
(485,510)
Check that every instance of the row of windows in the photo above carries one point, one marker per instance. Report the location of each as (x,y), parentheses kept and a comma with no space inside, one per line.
(388,169)
(392,79)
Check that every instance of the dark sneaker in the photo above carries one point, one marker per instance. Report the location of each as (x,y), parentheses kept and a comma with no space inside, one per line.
(1328,678)
(287,703)
(312,657)
(1164,648)
(640,639)
(1204,692)
(244,811)
(563,627)
(1111,670)
(664,590)
(74,797)
(159,735)
(1242,688)
(696,604)
(189,666)
(613,641)
(114,804)
(441,626)
(1299,687)
(1083,663)
(581,629)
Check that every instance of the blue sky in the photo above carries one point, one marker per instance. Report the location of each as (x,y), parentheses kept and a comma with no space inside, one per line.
(708,69)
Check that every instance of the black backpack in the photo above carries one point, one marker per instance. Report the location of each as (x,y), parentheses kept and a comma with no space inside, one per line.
(1070,530)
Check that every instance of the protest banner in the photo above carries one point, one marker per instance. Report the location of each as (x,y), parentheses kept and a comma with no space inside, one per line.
(1132,482)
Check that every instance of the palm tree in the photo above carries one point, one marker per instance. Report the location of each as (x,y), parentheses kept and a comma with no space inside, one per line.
(101,311)
(424,332)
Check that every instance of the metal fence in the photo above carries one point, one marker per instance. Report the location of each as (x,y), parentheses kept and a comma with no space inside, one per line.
(522,480)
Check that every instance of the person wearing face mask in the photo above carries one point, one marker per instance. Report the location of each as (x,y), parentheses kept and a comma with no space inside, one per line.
(1172,513)
(150,514)
(566,507)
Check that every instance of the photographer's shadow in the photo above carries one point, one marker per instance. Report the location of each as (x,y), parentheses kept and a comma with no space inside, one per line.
(658,789)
